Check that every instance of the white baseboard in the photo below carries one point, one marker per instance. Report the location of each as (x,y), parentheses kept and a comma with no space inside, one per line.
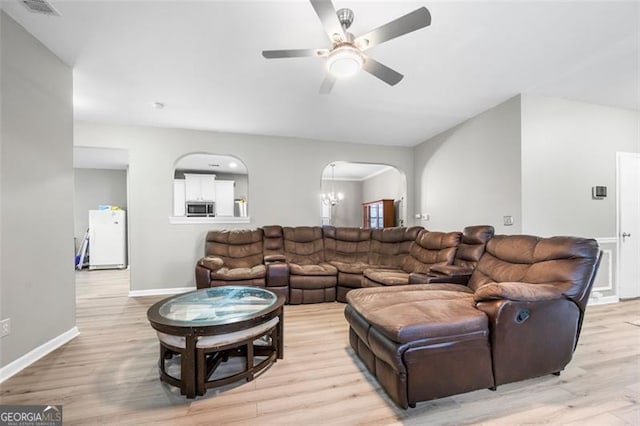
(604,300)
(29,358)
(159,291)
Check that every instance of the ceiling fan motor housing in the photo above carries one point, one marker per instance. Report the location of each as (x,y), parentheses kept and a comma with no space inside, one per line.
(345,16)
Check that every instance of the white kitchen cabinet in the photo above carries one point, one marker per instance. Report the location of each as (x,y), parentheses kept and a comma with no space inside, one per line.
(179,197)
(224,197)
(200,187)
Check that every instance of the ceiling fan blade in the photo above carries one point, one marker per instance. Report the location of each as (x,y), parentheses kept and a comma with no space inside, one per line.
(327,14)
(294,53)
(415,20)
(381,71)
(327,84)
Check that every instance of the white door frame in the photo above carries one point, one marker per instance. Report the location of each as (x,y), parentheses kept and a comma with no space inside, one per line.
(619,156)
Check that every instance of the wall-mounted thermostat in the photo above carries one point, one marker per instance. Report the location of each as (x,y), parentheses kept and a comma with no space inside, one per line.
(599,192)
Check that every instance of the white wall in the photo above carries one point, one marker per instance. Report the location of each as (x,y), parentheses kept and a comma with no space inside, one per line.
(470,174)
(93,187)
(283,188)
(388,185)
(568,147)
(37,284)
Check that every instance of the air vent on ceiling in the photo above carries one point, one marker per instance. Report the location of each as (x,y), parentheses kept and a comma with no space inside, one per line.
(40,6)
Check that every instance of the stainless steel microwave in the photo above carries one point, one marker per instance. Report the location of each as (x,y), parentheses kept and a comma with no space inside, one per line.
(200,208)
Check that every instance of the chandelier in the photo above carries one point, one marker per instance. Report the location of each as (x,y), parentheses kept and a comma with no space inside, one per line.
(332,198)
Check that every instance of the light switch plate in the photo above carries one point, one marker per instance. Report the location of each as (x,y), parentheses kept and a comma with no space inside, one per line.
(508,220)
(5,327)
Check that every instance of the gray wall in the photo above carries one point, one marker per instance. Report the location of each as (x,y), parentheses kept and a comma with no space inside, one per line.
(470,174)
(283,188)
(349,211)
(388,185)
(568,147)
(37,283)
(93,187)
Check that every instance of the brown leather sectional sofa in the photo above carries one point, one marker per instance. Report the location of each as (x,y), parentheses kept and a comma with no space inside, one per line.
(430,314)
(312,264)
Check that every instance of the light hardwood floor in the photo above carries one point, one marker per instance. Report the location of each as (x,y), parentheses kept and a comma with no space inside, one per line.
(109,375)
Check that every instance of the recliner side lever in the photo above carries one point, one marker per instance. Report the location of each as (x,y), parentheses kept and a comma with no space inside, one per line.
(522,316)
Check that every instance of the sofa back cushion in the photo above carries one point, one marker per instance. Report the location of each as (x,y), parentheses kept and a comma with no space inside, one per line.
(566,262)
(472,246)
(349,245)
(273,242)
(241,248)
(431,248)
(303,245)
(389,246)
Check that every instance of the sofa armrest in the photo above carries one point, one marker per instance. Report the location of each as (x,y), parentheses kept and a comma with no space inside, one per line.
(211,263)
(203,277)
(530,338)
(451,270)
(518,291)
(277,274)
(271,258)
(416,278)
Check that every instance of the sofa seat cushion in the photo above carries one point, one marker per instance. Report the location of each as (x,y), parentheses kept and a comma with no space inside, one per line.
(322,269)
(408,315)
(387,276)
(237,274)
(350,268)
(450,287)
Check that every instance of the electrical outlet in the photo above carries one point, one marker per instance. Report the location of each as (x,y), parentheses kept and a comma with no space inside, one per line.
(5,327)
(425,216)
(508,220)
(418,215)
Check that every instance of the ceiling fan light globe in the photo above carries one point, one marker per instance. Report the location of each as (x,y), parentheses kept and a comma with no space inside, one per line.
(344,61)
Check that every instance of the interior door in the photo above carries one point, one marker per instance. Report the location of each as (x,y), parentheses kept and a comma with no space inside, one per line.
(629,225)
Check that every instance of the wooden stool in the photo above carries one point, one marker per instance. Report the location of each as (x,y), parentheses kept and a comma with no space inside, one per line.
(171,345)
(220,344)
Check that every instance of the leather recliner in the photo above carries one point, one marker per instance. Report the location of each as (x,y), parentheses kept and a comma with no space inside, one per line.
(390,246)
(232,258)
(347,249)
(519,317)
(468,253)
(428,250)
(354,250)
(311,279)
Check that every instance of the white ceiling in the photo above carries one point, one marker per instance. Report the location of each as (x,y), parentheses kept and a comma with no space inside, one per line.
(212,163)
(203,60)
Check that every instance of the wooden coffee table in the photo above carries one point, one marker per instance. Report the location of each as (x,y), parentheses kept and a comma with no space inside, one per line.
(216,314)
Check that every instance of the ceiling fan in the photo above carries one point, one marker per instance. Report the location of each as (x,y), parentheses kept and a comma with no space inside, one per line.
(346,54)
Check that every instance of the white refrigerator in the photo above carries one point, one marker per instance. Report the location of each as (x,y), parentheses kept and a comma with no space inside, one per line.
(107,239)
